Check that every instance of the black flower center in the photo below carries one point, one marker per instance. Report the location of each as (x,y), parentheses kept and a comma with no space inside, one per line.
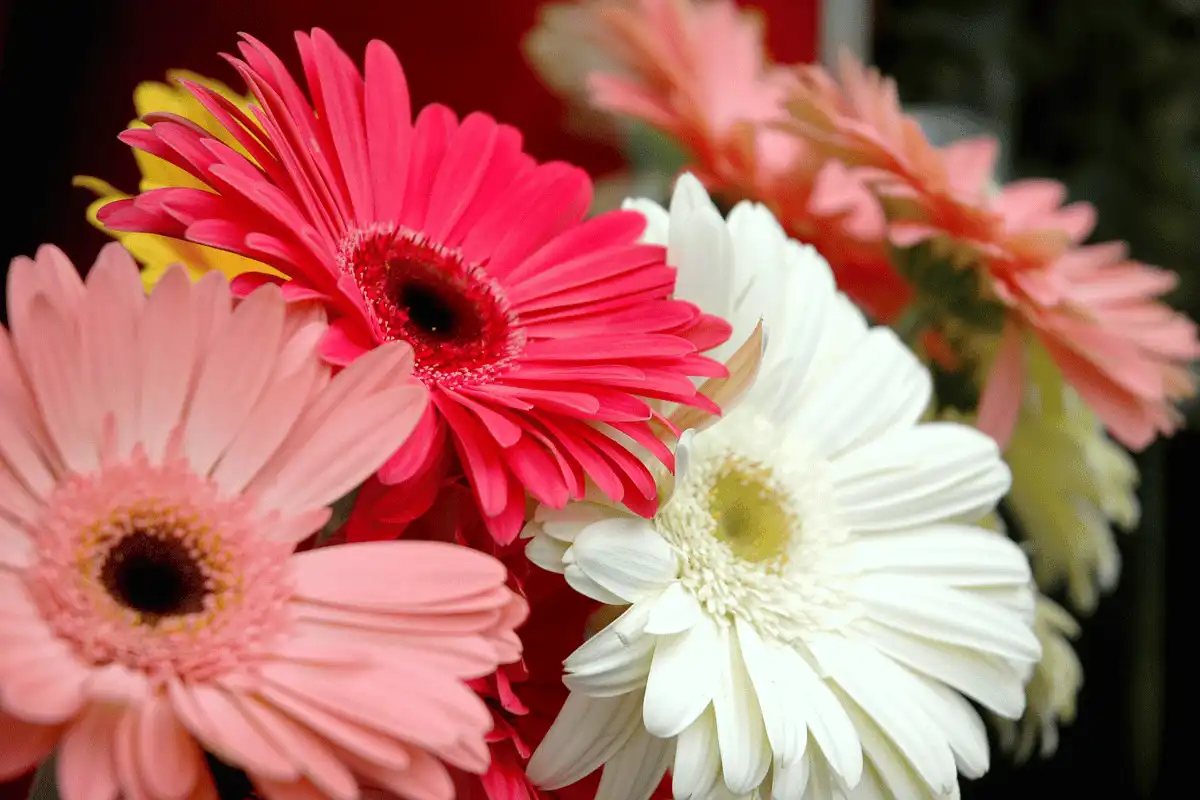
(154,575)
(435,311)
(453,313)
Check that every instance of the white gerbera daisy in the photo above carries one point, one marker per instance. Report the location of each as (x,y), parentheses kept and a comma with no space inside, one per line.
(809,606)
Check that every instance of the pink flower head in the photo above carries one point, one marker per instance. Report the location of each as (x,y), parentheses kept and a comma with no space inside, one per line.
(930,191)
(1096,312)
(698,72)
(160,458)
(537,334)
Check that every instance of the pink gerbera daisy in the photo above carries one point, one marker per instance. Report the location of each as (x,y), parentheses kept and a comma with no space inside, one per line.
(698,72)
(1096,311)
(537,334)
(160,458)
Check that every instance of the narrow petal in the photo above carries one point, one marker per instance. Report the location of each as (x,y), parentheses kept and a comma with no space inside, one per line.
(587,733)
(636,769)
(684,678)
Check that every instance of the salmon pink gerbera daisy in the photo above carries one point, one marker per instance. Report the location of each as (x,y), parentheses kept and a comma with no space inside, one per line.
(160,459)
(698,72)
(1096,312)
(538,334)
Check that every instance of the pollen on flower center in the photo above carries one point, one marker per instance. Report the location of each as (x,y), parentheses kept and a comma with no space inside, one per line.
(751,528)
(454,315)
(752,516)
(147,566)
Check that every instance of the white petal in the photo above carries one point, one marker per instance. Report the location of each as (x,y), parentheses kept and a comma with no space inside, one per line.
(697,759)
(990,681)
(745,753)
(626,556)
(676,610)
(888,774)
(831,729)
(788,781)
(547,552)
(947,615)
(565,523)
(951,555)
(580,582)
(684,676)
(616,660)
(960,724)
(636,770)
(879,387)
(658,221)
(932,473)
(701,250)
(783,713)
(587,733)
(884,692)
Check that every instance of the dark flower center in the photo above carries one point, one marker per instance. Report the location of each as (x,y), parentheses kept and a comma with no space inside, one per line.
(231,783)
(154,575)
(452,313)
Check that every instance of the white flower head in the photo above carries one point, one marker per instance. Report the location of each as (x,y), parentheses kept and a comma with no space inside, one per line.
(809,607)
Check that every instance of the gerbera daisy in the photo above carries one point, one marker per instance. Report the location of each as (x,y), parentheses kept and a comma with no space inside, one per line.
(697,71)
(155,253)
(808,607)
(1094,310)
(160,458)
(536,333)
(1097,313)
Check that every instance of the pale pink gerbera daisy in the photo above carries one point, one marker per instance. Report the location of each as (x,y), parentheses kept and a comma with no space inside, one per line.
(160,458)
(1096,312)
(698,72)
(529,326)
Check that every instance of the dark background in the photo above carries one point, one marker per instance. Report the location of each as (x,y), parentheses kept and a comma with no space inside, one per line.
(1103,95)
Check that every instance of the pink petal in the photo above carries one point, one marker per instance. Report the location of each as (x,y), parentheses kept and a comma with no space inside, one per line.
(25,745)
(115,299)
(312,756)
(342,91)
(393,575)
(169,758)
(125,757)
(388,114)
(1000,404)
(437,715)
(233,376)
(345,733)
(354,442)
(265,429)
(344,342)
(435,125)
(86,767)
(167,351)
(50,693)
(212,716)
(52,355)
(295,790)
(425,778)
(16,549)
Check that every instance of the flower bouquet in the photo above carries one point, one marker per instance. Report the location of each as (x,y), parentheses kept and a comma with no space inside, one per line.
(373,460)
